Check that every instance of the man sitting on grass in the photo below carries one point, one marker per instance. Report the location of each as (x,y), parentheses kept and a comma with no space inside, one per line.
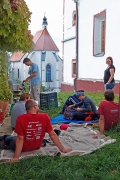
(31,129)
(88,109)
(19,108)
(71,100)
(108,110)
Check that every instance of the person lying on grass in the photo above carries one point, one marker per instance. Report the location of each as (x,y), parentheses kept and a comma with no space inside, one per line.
(108,110)
(31,129)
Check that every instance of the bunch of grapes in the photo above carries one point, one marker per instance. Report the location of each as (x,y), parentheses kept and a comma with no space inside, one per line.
(15,4)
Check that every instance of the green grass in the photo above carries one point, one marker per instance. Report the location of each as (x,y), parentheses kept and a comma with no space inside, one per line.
(103,164)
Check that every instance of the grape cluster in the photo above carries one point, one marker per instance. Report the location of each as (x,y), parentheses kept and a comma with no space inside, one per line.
(14,4)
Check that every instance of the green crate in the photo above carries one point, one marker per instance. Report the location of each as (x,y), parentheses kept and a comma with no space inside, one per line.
(48,100)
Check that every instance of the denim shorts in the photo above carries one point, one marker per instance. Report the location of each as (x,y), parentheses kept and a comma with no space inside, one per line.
(109,86)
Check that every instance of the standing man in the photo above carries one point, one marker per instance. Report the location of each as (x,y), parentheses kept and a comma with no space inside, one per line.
(34,78)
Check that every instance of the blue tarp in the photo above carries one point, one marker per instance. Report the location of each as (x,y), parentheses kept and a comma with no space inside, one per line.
(60,119)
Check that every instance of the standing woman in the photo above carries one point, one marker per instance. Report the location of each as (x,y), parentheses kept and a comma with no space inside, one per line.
(109,81)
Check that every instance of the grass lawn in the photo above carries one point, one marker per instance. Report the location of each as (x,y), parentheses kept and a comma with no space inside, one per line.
(103,164)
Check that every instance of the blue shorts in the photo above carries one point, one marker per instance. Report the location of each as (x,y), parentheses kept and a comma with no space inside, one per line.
(109,86)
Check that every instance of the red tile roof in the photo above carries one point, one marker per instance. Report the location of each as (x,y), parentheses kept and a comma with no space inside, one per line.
(16,56)
(44,41)
(37,35)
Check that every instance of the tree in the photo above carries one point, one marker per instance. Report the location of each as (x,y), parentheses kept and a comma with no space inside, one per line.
(14,36)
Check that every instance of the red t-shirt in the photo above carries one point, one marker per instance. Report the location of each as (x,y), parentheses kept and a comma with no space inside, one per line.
(33,127)
(110,111)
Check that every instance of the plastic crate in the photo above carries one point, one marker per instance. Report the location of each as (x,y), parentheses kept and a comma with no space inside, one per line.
(48,100)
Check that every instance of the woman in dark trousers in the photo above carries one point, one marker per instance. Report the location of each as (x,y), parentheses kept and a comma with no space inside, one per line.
(109,81)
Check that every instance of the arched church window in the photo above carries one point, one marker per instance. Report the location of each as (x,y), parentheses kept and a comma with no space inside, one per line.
(48,73)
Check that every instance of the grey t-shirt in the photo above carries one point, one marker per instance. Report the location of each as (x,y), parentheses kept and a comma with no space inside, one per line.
(18,109)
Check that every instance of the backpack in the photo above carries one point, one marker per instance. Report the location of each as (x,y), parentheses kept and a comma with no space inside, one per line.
(69,113)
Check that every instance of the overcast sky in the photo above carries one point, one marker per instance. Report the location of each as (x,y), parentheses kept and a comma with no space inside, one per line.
(53,10)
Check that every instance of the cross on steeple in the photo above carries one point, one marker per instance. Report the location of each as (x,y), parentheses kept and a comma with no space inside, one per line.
(44,24)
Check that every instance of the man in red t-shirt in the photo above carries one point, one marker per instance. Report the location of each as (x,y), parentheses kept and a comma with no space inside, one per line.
(31,129)
(108,111)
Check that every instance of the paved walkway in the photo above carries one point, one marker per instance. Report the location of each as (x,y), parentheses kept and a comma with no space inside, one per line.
(6,127)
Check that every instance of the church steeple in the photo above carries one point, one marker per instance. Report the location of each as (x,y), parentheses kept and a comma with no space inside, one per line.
(44,24)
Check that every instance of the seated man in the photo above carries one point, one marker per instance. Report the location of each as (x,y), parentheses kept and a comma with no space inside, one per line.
(31,129)
(19,108)
(88,109)
(108,110)
(71,100)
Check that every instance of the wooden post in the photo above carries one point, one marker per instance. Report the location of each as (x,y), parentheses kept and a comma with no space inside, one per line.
(119,106)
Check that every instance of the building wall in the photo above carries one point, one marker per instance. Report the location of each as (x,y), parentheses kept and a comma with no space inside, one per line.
(69,46)
(35,56)
(69,30)
(88,86)
(69,54)
(16,66)
(90,66)
(56,68)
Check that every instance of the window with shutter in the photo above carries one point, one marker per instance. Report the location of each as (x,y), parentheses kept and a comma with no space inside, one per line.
(99,29)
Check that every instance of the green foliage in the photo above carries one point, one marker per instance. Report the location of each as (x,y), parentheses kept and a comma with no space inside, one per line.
(26,85)
(5,92)
(42,88)
(102,164)
(14,36)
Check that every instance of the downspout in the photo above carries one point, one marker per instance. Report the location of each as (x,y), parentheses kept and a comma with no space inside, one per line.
(63,42)
(77,44)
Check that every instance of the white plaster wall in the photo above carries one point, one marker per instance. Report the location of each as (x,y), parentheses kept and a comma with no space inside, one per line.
(56,67)
(17,65)
(56,70)
(69,54)
(69,30)
(89,66)
(24,68)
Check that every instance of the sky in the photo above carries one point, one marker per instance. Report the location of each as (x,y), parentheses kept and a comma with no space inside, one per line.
(53,10)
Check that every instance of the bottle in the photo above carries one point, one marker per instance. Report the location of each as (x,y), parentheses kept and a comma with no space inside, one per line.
(1,116)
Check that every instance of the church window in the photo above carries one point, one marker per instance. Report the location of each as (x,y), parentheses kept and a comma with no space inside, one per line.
(48,73)
(99,34)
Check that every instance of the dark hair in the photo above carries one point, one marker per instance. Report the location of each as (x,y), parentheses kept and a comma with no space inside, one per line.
(26,60)
(24,96)
(29,104)
(109,95)
(110,59)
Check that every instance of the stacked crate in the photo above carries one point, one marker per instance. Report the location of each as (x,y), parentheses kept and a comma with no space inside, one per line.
(48,100)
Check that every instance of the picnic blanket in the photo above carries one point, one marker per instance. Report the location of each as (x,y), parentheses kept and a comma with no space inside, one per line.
(79,137)
(60,119)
